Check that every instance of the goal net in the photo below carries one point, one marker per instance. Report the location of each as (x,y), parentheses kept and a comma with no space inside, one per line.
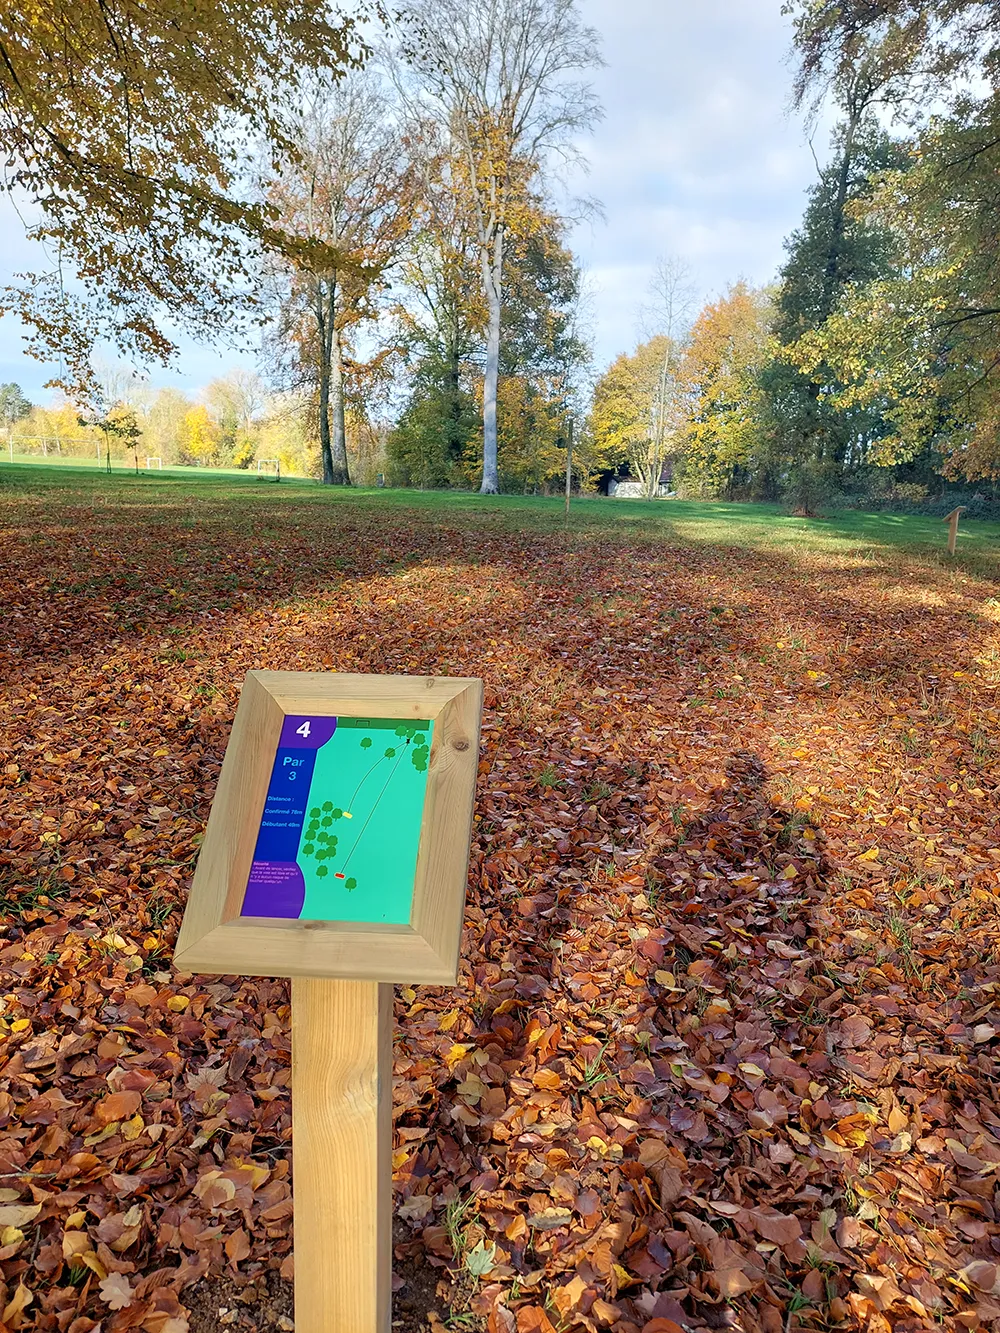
(269,467)
(154,462)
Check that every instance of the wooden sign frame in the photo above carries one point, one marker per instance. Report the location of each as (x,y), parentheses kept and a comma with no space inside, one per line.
(216,938)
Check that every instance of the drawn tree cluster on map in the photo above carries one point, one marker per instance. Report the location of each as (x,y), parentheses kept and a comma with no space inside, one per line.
(321,842)
(408,732)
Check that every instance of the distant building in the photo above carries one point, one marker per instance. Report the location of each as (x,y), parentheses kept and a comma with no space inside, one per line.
(628,488)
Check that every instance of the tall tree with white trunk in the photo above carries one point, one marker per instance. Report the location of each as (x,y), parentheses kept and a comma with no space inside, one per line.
(666,318)
(502,77)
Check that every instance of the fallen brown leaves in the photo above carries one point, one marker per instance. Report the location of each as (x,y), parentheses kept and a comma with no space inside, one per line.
(725,1052)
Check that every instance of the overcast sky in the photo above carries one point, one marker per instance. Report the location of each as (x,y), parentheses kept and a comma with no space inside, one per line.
(697,157)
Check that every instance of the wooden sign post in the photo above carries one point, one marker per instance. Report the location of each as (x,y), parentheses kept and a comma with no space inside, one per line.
(952,521)
(337,854)
(569,465)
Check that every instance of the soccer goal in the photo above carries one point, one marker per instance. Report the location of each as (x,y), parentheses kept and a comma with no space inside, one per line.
(154,462)
(269,467)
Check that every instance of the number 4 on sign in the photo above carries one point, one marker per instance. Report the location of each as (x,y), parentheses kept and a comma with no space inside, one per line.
(303,730)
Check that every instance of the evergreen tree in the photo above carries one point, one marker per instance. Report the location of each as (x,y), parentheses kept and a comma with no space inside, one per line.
(13,404)
(816,440)
(14,407)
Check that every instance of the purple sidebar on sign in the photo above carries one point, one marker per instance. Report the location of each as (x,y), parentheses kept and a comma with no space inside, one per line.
(276,886)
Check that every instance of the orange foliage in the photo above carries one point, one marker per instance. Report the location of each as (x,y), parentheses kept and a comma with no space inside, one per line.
(727,1035)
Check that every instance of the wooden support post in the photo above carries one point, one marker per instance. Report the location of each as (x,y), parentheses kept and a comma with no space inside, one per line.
(952,521)
(569,465)
(342,1151)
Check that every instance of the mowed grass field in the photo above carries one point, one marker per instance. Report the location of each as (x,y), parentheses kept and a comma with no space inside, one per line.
(725,1047)
(122,467)
(742,525)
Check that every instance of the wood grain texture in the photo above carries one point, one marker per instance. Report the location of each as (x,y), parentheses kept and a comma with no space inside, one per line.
(227,849)
(361,695)
(316,949)
(215,938)
(342,1155)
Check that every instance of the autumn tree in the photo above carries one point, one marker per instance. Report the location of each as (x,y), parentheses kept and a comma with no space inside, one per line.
(62,423)
(915,45)
(541,353)
(920,345)
(133,129)
(726,443)
(199,434)
(429,443)
(441,318)
(666,313)
(162,423)
(116,423)
(56,426)
(350,194)
(637,419)
(500,76)
(236,401)
(286,433)
(122,422)
(834,251)
(14,406)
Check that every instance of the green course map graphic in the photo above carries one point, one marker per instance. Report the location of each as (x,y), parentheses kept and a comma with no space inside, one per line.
(340,831)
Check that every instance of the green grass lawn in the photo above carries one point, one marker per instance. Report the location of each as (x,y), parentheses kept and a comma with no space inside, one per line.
(119,466)
(850,533)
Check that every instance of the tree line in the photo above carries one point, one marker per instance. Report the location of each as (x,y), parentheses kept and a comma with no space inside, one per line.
(870,369)
(384,208)
(234,422)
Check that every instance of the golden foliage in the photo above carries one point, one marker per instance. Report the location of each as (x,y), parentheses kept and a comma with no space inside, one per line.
(132,125)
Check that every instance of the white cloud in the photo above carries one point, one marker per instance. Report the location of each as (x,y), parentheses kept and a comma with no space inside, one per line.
(697,155)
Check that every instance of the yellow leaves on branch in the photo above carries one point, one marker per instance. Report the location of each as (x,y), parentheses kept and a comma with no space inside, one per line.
(132,123)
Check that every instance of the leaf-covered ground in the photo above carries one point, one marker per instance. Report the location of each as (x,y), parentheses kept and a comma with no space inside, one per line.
(725,1052)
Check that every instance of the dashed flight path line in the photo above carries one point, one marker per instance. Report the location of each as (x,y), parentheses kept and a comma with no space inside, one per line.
(371,812)
(354,796)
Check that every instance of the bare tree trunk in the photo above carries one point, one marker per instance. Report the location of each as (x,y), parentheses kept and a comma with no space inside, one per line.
(324,424)
(454,446)
(323,330)
(656,471)
(341,473)
(492,280)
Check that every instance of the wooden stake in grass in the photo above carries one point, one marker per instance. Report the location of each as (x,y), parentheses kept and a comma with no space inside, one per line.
(952,521)
(569,464)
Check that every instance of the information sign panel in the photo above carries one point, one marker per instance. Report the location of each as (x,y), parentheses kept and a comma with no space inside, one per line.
(337,854)
(340,830)
(339,837)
